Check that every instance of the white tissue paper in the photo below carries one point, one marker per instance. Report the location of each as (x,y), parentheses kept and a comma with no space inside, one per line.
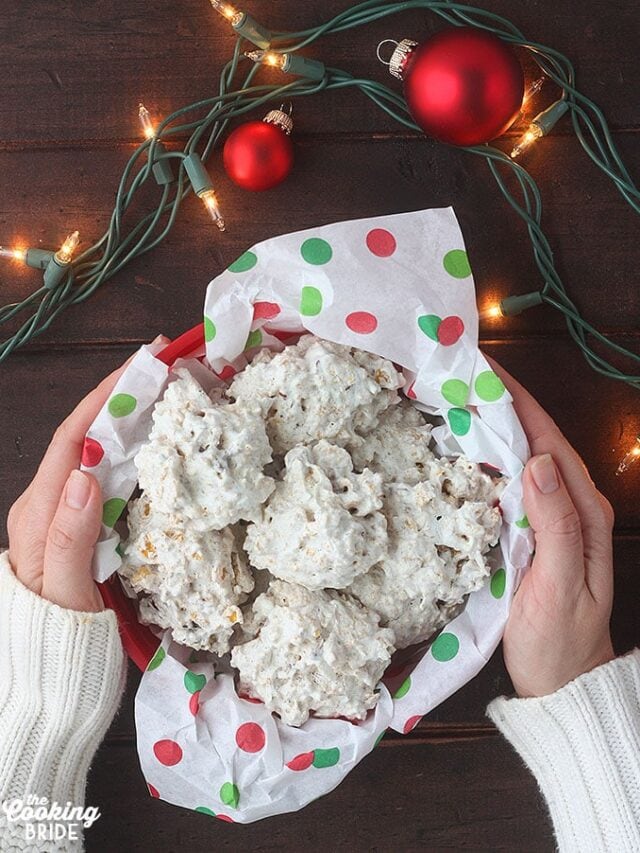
(401,287)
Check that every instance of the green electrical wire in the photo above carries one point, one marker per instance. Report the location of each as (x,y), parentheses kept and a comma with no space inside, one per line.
(204,123)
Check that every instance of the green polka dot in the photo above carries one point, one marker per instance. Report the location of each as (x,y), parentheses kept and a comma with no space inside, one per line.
(121,405)
(120,550)
(193,657)
(523,522)
(157,659)
(112,510)
(254,339)
(459,421)
(326,757)
(230,795)
(489,386)
(205,810)
(379,738)
(429,324)
(310,302)
(498,583)
(194,681)
(316,251)
(455,391)
(445,647)
(244,262)
(210,330)
(403,689)
(456,263)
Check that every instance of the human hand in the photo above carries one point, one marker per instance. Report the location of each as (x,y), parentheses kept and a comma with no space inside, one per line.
(54,525)
(558,627)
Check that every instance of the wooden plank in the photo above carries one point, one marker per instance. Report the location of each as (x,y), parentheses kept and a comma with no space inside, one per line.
(475,796)
(590,226)
(81,69)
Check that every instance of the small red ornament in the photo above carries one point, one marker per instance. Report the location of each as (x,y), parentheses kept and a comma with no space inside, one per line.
(259,155)
(463,86)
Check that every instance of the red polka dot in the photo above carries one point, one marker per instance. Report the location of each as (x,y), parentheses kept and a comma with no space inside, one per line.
(411,723)
(168,752)
(381,242)
(411,394)
(301,762)
(227,373)
(450,331)
(153,791)
(285,337)
(361,322)
(265,310)
(225,818)
(92,452)
(250,737)
(194,703)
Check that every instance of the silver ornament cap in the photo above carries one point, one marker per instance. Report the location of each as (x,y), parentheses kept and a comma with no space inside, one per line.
(399,57)
(280,119)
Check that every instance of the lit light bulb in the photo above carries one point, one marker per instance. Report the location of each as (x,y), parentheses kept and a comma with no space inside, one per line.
(13,254)
(268,57)
(533,90)
(531,135)
(145,120)
(540,126)
(211,203)
(632,456)
(491,312)
(65,252)
(228,11)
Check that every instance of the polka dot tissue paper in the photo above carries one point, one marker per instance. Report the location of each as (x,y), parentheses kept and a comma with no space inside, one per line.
(398,286)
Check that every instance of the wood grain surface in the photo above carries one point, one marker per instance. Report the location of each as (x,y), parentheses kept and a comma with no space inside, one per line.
(73,74)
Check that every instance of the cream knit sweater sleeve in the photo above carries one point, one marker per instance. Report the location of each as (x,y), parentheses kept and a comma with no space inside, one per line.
(62,675)
(582,744)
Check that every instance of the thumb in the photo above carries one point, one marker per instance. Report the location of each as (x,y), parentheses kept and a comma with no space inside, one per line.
(68,552)
(559,556)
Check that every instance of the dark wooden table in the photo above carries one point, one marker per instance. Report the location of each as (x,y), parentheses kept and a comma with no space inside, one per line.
(72,76)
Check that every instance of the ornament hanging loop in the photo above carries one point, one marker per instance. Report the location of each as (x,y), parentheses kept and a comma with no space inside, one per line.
(386,62)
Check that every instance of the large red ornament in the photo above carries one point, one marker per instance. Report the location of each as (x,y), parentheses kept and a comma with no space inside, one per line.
(463,86)
(259,155)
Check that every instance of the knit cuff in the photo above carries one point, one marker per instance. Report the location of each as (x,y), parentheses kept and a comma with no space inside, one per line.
(62,674)
(582,743)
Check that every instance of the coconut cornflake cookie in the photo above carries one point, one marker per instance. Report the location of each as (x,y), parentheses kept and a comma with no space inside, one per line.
(322,526)
(315,652)
(398,447)
(437,555)
(204,460)
(317,389)
(191,582)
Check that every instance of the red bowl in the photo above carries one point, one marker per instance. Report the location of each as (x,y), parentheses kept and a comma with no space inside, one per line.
(138,641)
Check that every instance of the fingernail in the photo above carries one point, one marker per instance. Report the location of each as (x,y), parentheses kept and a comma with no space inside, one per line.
(77,491)
(545,474)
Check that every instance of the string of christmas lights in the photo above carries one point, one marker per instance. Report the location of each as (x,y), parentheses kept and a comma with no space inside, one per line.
(179,167)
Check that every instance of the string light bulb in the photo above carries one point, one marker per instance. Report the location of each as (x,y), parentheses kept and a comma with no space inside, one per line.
(58,266)
(539,127)
(65,252)
(13,254)
(211,203)
(290,63)
(629,458)
(203,188)
(243,24)
(227,11)
(145,121)
(492,311)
